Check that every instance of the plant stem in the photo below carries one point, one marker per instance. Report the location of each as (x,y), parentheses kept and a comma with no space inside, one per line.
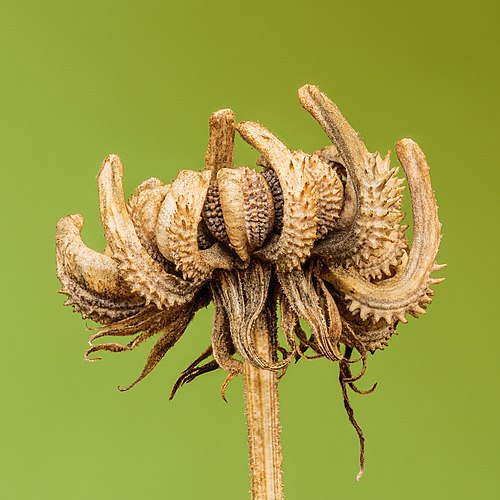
(262,408)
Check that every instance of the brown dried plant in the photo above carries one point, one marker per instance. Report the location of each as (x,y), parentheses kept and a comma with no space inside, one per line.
(318,236)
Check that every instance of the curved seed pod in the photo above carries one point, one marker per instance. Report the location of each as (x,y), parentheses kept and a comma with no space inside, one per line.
(330,155)
(365,336)
(90,279)
(247,208)
(407,292)
(274,185)
(177,228)
(144,207)
(380,239)
(371,238)
(372,336)
(351,148)
(353,154)
(205,237)
(300,205)
(212,213)
(145,276)
(330,194)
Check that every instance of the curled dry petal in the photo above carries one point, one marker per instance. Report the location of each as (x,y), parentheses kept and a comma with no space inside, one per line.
(91,279)
(169,323)
(305,302)
(243,294)
(177,228)
(146,276)
(170,334)
(223,348)
(149,320)
(408,291)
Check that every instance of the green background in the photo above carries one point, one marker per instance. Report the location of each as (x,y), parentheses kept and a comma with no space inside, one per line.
(80,80)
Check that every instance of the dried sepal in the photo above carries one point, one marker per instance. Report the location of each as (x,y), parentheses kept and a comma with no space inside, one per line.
(91,280)
(243,294)
(169,336)
(247,208)
(223,348)
(289,320)
(145,276)
(169,324)
(193,371)
(149,320)
(300,292)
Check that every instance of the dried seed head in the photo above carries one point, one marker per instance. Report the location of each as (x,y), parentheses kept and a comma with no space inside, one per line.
(247,208)
(321,232)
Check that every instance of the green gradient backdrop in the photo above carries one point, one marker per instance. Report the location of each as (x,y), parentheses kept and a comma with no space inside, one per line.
(83,79)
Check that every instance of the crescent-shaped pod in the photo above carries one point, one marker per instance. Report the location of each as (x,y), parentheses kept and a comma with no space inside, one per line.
(90,279)
(146,276)
(368,235)
(409,291)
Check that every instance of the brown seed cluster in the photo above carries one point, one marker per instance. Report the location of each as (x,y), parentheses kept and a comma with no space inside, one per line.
(318,236)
